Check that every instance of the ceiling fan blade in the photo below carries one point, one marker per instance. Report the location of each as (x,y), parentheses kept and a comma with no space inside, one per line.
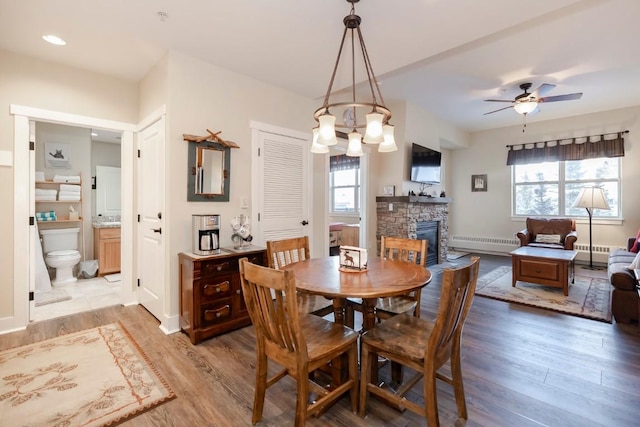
(542,90)
(567,97)
(499,100)
(495,111)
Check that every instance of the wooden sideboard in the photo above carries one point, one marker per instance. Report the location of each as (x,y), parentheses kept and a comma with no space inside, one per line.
(211,300)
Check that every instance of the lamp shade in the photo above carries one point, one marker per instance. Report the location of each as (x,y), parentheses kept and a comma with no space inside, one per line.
(525,107)
(389,143)
(373,132)
(591,198)
(327,135)
(354,149)
(315,147)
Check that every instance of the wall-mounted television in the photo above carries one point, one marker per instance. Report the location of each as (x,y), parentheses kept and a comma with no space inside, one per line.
(425,165)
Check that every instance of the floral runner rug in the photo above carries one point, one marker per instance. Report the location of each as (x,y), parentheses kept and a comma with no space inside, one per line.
(588,297)
(94,377)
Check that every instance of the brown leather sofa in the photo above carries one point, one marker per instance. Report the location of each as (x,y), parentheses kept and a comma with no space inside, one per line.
(564,227)
(624,297)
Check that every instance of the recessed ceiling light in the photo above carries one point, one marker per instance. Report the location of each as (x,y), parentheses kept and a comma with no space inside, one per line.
(94,134)
(54,40)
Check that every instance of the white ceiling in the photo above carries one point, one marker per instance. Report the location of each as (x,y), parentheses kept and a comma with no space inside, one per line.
(445,56)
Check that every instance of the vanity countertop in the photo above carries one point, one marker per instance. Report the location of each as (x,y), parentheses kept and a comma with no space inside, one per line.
(111,224)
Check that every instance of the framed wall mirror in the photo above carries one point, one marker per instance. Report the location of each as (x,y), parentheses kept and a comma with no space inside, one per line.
(209,176)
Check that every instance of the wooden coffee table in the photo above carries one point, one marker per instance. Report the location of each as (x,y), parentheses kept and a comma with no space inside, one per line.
(549,267)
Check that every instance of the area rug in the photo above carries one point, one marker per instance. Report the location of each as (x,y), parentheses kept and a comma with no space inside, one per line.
(588,297)
(94,377)
(49,297)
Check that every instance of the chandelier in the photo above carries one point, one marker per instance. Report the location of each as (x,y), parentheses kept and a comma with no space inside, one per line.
(377,129)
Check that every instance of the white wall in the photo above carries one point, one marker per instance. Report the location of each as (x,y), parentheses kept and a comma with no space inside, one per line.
(488,214)
(40,84)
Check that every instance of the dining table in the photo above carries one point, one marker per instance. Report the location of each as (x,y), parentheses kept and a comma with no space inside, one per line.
(381,279)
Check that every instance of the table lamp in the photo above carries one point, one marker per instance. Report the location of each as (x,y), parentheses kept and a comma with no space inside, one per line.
(591,198)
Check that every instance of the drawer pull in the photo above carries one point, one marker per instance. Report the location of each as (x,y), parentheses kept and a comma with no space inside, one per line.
(219,268)
(222,312)
(238,292)
(217,288)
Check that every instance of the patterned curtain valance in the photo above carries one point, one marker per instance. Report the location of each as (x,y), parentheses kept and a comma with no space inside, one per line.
(343,162)
(561,150)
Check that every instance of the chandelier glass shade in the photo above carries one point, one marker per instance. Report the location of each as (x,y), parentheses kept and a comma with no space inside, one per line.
(375,114)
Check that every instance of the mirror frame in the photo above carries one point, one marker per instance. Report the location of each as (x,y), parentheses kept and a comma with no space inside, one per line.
(192,196)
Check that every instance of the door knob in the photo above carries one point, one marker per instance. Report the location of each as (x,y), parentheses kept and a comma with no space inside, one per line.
(304,222)
(157,230)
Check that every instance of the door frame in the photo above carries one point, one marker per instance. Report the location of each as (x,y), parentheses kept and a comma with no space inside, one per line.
(23,262)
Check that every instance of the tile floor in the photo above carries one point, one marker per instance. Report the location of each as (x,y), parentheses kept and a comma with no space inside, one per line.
(86,294)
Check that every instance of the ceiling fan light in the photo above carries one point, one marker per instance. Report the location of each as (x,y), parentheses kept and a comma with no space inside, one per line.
(315,147)
(525,107)
(354,149)
(327,131)
(389,143)
(373,132)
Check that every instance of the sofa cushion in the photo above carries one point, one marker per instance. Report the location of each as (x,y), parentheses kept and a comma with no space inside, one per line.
(549,238)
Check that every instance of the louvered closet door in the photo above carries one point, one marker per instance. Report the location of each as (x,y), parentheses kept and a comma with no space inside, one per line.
(284,187)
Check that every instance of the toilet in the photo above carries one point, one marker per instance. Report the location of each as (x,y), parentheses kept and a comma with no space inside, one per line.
(61,252)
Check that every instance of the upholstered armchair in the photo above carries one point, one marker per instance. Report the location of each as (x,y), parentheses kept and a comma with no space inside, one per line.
(554,233)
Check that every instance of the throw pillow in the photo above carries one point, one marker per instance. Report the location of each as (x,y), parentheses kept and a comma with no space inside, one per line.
(635,263)
(548,238)
(636,246)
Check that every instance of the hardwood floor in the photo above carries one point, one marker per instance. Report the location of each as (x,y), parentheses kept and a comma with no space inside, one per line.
(522,366)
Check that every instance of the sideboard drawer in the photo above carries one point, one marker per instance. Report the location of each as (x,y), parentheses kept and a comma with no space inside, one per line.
(218,312)
(216,287)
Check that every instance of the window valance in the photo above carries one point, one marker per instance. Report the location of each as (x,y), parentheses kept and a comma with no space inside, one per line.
(343,162)
(567,149)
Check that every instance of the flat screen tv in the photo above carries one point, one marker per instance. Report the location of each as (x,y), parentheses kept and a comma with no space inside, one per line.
(425,165)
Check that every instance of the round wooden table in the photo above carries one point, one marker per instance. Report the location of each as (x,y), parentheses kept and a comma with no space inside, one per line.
(383,278)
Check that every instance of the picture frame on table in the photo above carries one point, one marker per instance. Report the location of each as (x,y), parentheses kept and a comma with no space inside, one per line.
(389,191)
(479,182)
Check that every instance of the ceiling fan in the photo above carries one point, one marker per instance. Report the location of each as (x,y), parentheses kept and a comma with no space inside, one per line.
(527,102)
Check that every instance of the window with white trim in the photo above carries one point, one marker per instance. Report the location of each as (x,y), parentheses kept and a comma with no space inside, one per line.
(344,185)
(551,188)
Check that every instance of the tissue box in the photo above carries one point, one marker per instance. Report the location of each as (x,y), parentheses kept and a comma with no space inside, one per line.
(353,258)
(74,216)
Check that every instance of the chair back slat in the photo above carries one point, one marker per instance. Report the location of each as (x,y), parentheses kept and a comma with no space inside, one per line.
(273,313)
(458,288)
(287,251)
(408,250)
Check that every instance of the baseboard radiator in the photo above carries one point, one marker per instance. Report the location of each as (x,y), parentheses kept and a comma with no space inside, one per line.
(506,245)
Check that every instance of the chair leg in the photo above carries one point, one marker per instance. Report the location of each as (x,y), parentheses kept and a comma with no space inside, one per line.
(458,386)
(365,374)
(261,388)
(430,398)
(302,397)
(353,376)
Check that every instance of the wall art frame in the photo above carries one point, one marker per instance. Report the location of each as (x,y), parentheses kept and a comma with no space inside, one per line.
(479,183)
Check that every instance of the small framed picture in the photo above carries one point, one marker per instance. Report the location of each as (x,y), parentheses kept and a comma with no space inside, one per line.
(57,155)
(390,190)
(479,182)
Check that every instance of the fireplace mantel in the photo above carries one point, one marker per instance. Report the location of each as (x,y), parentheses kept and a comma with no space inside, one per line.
(414,199)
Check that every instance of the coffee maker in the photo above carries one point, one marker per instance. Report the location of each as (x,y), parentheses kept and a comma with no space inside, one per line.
(206,234)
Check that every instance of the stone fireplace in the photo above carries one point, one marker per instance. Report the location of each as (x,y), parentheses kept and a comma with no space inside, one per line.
(415,217)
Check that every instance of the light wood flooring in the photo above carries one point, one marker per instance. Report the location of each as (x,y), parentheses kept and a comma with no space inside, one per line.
(521,366)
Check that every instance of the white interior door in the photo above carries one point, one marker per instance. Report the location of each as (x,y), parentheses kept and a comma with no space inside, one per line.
(108,198)
(152,290)
(281,185)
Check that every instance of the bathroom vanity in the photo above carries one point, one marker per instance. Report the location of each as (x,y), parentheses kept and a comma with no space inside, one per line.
(106,248)
(211,300)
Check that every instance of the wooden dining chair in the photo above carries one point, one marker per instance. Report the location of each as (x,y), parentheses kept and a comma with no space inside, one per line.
(286,251)
(300,343)
(395,248)
(423,346)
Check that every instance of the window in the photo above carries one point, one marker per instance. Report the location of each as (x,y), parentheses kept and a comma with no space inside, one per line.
(344,185)
(551,188)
